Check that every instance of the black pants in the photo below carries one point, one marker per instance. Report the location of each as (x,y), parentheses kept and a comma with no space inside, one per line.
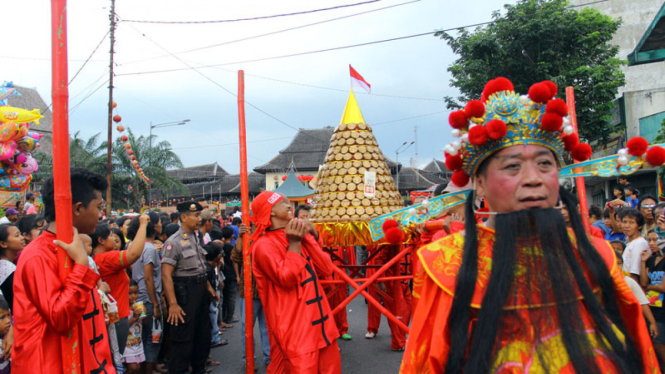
(229,297)
(190,341)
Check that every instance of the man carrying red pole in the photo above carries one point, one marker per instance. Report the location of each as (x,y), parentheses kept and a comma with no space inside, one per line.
(286,261)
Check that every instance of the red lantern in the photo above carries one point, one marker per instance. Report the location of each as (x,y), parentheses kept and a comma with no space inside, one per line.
(130,152)
(135,163)
(128,146)
(133,158)
(117,118)
(114,105)
(120,128)
(124,138)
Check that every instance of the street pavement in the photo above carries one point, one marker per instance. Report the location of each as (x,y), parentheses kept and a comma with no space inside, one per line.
(359,355)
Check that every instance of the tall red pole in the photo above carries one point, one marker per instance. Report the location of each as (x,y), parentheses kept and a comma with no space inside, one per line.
(246,251)
(71,355)
(579,181)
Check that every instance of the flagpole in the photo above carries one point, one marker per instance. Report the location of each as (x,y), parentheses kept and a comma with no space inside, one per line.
(71,355)
(246,250)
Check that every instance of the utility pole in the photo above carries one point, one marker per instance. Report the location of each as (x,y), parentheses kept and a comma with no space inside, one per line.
(415,140)
(110,129)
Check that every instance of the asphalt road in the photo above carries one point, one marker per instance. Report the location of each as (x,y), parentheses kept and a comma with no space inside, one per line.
(359,355)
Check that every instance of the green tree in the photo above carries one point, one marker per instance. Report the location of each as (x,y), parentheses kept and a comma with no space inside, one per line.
(154,159)
(91,154)
(537,40)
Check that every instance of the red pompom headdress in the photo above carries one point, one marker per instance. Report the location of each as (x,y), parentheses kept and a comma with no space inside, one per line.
(503,118)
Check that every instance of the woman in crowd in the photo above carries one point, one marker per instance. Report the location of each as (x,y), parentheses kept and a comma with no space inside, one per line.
(123,224)
(11,242)
(651,278)
(112,264)
(147,272)
(31,227)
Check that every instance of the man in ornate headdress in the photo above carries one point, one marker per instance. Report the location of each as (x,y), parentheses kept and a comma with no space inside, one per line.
(521,293)
(286,262)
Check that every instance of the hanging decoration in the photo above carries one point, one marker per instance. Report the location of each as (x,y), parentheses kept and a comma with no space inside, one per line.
(302,178)
(128,147)
(17,143)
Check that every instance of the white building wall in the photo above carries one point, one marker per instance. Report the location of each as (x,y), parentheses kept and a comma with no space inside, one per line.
(644,83)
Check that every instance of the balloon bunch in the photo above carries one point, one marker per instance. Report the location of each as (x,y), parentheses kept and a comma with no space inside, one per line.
(16,142)
(128,147)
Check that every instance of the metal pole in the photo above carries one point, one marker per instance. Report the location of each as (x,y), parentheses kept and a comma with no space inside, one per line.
(397,171)
(70,345)
(150,164)
(246,250)
(109,150)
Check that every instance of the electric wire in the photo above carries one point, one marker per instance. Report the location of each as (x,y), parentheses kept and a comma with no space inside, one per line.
(252,18)
(89,57)
(332,48)
(272,33)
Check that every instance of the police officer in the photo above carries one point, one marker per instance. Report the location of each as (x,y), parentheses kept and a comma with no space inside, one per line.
(188,293)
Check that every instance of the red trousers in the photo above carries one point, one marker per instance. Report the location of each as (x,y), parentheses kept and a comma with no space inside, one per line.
(335,297)
(400,307)
(337,293)
(323,361)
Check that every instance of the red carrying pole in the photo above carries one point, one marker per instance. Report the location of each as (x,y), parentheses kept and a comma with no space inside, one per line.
(71,354)
(579,181)
(246,251)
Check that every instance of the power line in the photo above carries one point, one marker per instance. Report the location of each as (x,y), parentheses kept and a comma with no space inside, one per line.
(236,143)
(296,54)
(408,118)
(273,32)
(86,98)
(219,85)
(253,18)
(333,48)
(89,57)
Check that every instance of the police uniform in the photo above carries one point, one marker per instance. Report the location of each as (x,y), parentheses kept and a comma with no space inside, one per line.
(190,341)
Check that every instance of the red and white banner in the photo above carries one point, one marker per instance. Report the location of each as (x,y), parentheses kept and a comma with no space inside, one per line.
(358,81)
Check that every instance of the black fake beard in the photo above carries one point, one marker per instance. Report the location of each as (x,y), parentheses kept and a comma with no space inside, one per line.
(536,244)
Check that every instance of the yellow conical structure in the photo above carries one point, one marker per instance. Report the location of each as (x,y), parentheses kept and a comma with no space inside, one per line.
(352,113)
(340,194)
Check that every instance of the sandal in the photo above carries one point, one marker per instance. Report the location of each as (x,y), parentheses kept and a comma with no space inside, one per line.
(213,363)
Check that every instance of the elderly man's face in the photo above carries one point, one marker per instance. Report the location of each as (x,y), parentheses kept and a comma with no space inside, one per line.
(520,177)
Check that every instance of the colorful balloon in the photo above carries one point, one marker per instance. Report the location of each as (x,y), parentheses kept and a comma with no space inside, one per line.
(7,150)
(7,89)
(12,131)
(27,143)
(15,182)
(12,114)
(28,167)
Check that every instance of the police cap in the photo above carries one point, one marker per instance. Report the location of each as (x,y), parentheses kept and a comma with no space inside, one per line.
(189,206)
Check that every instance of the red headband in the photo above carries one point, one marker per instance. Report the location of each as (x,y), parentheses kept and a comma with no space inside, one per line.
(261,209)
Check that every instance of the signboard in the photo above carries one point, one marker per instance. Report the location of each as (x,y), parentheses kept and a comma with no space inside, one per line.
(370,184)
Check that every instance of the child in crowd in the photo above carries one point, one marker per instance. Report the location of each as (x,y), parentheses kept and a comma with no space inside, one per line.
(642,299)
(618,246)
(5,325)
(134,355)
(213,257)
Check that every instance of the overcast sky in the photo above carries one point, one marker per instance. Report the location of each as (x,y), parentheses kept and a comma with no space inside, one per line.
(306,91)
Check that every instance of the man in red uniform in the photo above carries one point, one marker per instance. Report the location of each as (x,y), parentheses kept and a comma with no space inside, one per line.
(522,293)
(286,262)
(46,309)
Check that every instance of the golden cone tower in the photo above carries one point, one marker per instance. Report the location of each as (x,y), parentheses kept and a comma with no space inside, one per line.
(340,194)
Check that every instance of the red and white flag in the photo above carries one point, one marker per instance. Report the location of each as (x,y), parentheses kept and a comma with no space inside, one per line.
(358,81)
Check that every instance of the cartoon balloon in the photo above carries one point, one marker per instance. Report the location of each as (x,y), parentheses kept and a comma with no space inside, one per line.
(12,114)
(28,167)
(27,143)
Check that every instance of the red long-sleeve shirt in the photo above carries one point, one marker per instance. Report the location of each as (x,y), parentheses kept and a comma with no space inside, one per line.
(45,309)
(297,310)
